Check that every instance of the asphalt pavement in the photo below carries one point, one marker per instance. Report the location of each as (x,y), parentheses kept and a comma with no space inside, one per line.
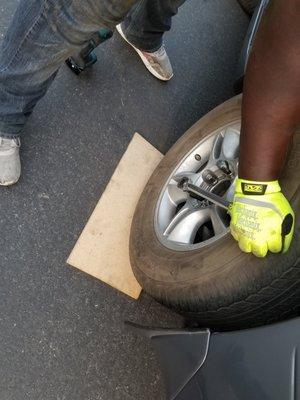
(61,332)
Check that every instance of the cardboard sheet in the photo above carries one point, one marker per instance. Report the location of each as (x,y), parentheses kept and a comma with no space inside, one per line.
(102,250)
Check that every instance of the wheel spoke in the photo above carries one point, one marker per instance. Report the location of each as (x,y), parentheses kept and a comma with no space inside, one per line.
(216,149)
(230,145)
(192,176)
(219,224)
(176,195)
(183,213)
(184,226)
(168,207)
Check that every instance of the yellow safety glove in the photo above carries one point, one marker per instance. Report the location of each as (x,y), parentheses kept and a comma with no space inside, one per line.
(262,219)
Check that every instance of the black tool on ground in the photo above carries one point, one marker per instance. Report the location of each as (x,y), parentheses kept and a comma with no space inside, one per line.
(200,194)
(87,57)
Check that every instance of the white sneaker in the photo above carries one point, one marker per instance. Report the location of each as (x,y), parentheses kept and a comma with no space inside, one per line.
(158,62)
(10,164)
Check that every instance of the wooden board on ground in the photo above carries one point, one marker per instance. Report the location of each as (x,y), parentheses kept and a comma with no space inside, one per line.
(102,249)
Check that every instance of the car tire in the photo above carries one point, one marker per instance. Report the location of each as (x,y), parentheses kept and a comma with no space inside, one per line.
(218,286)
(248,5)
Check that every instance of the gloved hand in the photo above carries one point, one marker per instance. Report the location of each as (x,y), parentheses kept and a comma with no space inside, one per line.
(262,219)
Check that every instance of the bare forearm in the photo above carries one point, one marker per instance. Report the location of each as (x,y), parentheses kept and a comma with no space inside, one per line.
(271,101)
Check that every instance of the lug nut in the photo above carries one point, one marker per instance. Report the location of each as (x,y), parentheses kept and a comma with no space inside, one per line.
(182,182)
(210,177)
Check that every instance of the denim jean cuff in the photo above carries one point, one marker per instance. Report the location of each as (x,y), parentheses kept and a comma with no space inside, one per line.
(150,46)
(9,132)
(143,46)
(9,135)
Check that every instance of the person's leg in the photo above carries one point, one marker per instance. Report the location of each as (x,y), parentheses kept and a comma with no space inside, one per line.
(143,29)
(148,20)
(42,35)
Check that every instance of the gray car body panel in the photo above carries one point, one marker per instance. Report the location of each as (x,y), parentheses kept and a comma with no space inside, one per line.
(254,364)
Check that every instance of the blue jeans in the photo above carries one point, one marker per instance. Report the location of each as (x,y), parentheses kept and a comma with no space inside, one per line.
(44,33)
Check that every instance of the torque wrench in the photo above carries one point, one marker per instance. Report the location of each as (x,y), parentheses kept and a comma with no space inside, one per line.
(201,194)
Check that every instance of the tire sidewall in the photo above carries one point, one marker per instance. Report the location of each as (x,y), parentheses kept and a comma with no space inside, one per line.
(179,277)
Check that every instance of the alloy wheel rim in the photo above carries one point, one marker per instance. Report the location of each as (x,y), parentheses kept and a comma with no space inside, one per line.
(183,223)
